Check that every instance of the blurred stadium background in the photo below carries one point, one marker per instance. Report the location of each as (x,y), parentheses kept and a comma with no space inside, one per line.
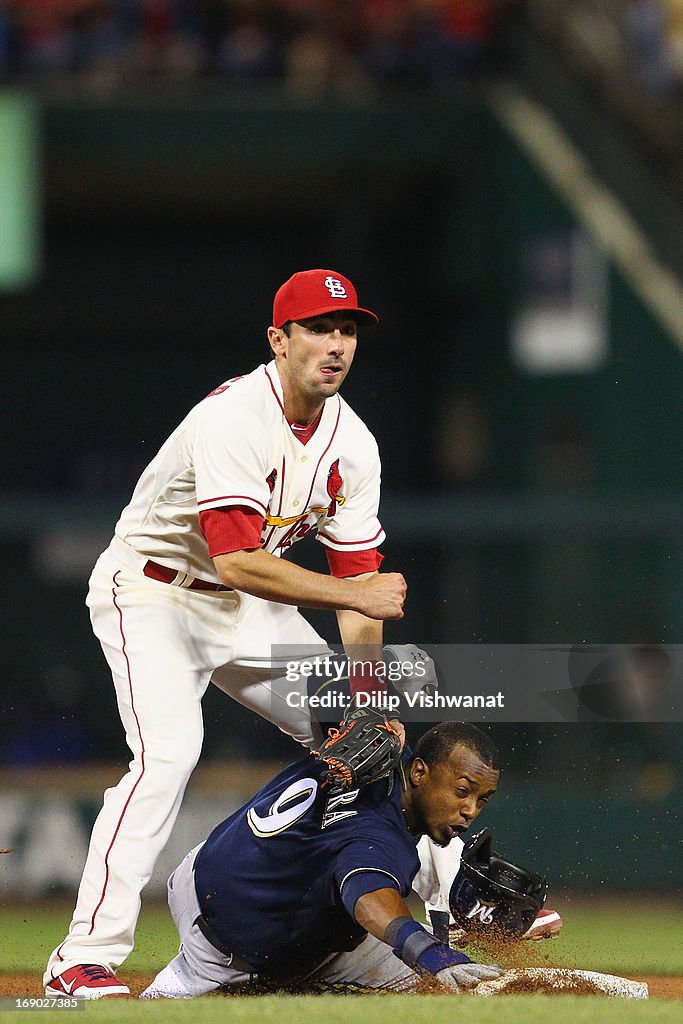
(504,180)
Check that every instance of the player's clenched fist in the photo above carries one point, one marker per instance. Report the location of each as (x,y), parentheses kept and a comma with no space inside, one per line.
(382,596)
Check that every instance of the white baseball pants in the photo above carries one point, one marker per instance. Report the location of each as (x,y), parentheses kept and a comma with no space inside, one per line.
(163,645)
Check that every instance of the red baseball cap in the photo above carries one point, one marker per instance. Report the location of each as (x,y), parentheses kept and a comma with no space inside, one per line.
(313,292)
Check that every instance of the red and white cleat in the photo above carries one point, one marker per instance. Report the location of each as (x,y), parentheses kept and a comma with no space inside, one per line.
(88,981)
(546,926)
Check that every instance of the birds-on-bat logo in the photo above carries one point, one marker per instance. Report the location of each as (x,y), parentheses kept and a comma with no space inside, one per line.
(334,484)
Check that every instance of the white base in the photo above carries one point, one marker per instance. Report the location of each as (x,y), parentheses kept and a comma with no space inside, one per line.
(562,981)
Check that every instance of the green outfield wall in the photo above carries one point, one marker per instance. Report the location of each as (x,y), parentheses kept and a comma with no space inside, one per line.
(584,839)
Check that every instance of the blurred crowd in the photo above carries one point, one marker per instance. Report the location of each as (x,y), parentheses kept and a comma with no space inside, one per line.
(639,39)
(310,44)
(654,32)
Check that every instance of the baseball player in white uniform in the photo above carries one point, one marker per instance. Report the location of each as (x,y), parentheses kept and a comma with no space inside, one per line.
(192,590)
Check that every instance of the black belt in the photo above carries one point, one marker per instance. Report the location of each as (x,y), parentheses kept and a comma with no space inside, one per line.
(236,962)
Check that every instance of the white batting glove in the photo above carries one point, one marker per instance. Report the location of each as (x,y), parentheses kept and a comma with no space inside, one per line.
(461,976)
(417,668)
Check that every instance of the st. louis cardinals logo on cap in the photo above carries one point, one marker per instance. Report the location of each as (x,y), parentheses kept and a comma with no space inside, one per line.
(314,293)
(335,287)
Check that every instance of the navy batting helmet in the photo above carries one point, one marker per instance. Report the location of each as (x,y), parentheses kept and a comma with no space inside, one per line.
(490,895)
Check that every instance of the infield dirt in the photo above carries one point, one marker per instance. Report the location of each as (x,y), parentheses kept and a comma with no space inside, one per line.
(29,984)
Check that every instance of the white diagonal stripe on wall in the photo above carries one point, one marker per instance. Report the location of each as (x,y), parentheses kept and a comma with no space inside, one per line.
(593,203)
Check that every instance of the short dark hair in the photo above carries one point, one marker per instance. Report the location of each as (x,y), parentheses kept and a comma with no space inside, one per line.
(436,745)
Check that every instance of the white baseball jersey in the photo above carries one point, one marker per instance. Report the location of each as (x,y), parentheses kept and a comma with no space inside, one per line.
(235,448)
(438,867)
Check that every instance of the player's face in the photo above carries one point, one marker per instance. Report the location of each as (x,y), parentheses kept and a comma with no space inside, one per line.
(442,801)
(315,358)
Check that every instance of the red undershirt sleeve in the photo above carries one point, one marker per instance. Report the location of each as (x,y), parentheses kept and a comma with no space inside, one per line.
(237,528)
(353,563)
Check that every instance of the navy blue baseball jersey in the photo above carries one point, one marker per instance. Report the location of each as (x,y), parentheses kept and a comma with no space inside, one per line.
(277,881)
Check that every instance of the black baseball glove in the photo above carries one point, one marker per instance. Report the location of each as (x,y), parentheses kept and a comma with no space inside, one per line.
(364,748)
